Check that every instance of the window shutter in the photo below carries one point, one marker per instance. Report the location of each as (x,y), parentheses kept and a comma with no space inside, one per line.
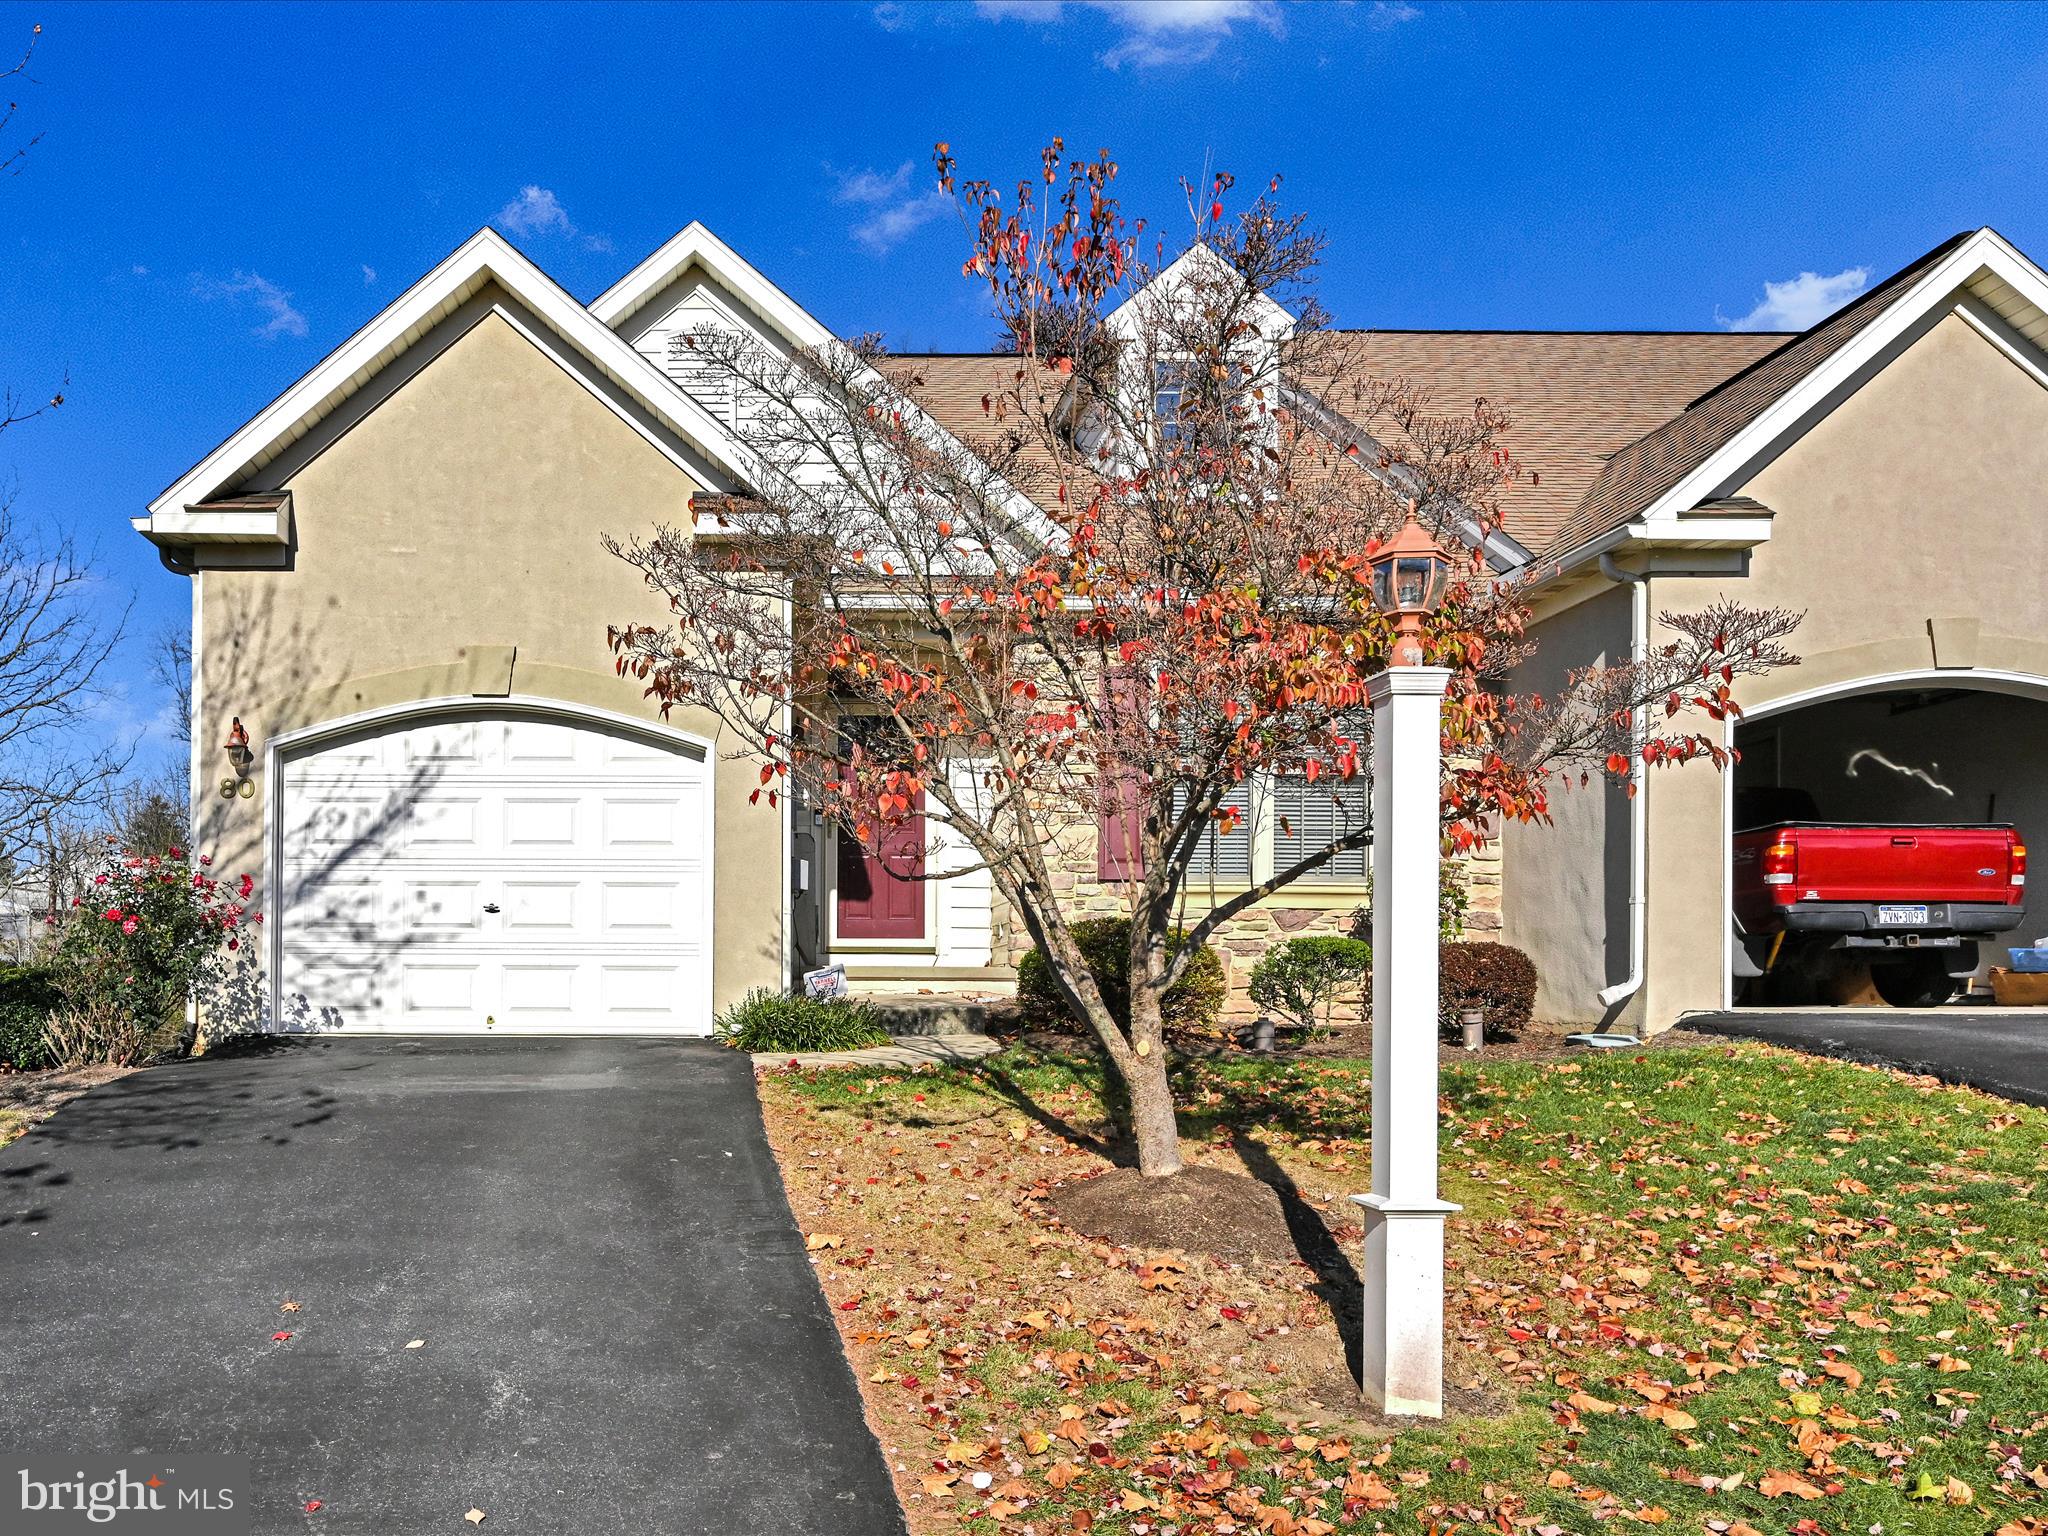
(1119,848)
(1311,816)
(1224,856)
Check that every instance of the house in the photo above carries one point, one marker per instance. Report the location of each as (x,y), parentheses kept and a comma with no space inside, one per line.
(461,818)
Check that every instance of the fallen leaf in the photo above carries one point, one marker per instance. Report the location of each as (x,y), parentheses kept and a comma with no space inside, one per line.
(1845,1373)
(475,1517)
(1586,1402)
(415,1343)
(1776,1485)
(818,1240)
(1670,1417)
(288,1306)
(279,1338)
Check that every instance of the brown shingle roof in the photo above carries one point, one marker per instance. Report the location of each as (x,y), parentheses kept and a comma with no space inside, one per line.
(1653,463)
(1573,397)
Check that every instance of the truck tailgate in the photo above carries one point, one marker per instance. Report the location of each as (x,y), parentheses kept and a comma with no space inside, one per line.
(1903,863)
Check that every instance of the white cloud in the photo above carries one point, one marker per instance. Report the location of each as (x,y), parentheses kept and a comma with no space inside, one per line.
(1152,33)
(1388,14)
(272,302)
(139,270)
(369,274)
(894,211)
(537,212)
(1798,303)
(889,226)
(891,17)
(870,186)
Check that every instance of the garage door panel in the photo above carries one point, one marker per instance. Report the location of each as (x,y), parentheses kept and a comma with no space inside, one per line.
(496,873)
(541,824)
(542,907)
(443,906)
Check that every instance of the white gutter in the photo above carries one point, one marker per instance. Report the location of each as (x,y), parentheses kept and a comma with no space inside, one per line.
(1638,822)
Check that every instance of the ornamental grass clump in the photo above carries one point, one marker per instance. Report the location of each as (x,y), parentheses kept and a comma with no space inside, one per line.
(767,1020)
(131,956)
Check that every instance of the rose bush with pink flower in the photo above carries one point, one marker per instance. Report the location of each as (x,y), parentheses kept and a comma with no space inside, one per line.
(159,927)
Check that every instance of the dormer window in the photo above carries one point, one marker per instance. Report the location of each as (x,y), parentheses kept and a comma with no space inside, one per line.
(1169,389)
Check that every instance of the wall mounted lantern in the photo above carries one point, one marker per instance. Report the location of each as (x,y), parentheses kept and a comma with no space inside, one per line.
(241,757)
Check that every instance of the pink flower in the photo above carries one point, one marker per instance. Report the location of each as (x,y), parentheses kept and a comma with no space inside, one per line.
(113,914)
(234,943)
(99,879)
(206,858)
(131,925)
(248,885)
(177,852)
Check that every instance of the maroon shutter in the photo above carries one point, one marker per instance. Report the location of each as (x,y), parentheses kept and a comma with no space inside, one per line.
(1119,850)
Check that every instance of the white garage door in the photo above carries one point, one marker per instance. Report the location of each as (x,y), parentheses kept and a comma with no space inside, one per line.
(480,874)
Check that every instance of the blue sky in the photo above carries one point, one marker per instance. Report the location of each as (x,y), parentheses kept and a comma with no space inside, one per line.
(222,194)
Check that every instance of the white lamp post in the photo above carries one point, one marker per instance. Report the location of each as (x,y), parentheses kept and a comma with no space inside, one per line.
(1403,1352)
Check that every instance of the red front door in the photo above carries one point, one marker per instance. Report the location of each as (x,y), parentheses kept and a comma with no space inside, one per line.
(875,903)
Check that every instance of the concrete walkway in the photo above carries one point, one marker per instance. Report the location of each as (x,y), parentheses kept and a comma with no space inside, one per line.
(901,1051)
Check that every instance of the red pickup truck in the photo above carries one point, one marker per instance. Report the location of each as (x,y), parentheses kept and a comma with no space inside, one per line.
(1816,901)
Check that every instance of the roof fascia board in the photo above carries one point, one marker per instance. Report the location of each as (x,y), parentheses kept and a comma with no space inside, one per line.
(486,256)
(698,246)
(1273,320)
(1918,307)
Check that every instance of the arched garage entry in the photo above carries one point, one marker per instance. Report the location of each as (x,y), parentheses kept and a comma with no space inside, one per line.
(462,866)
(1917,750)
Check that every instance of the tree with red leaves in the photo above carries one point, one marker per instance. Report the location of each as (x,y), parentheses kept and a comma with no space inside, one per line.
(1141,584)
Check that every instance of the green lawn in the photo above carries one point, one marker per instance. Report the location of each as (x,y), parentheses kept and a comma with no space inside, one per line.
(1718,1288)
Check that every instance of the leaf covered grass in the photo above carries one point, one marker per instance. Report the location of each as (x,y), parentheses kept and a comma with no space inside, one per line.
(1726,1289)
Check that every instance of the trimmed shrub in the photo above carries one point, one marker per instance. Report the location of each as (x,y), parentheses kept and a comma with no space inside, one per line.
(1497,979)
(1192,1005)
(1307,979)
(28,996)
(767,1020)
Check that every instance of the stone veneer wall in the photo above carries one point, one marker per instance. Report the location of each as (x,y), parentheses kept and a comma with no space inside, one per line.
(1247,936)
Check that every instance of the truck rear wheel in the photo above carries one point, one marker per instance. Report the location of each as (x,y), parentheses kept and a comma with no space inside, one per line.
(1921,981)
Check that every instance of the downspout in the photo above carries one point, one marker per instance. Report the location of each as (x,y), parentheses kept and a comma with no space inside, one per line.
(1638,822)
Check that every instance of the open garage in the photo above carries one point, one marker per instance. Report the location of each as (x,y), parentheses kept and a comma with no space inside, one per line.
(1890,797)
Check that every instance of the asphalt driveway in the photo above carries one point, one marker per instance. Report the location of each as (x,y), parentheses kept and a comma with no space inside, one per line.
(622,1331)
(2005,1053)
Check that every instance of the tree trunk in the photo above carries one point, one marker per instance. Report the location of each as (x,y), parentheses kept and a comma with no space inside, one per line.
(1152,1118)
(1153,1124)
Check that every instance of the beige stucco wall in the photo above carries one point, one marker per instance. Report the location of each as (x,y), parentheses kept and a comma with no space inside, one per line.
(461,516)
(1916,512)
(1564,885)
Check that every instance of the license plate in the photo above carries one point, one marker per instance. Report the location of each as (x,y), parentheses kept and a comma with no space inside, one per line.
(1902,917)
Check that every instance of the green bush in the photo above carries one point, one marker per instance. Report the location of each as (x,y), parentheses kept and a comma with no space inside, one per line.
(1497,979)
(28,996)
(1306,980)
(767,1020)
(1192,1005)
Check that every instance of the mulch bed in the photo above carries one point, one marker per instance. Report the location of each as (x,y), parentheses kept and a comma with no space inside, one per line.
(1206,1210)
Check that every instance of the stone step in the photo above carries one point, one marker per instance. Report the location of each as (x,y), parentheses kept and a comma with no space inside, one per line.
(911,1013)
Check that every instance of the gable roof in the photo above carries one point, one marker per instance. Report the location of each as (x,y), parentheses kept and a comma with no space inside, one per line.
(1706,450)
(485,258)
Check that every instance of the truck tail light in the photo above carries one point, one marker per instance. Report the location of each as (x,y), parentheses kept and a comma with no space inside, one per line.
(2019,863)
(1780,862)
